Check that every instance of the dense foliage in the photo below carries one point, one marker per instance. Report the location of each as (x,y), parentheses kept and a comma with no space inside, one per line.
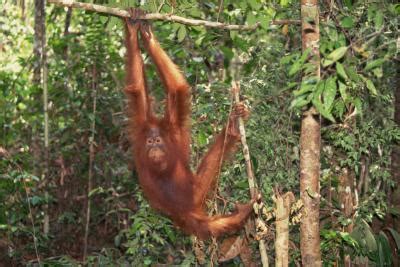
(85,59)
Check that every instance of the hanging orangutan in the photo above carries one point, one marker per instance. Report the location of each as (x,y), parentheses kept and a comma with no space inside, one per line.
(162,145)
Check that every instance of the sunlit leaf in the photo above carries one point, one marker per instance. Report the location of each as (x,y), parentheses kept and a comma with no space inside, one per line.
(378,20)
(300,101)
(384,251)
(254,4)
(181,34)
(251,18)
(371,87)
(338,53)
(329,93)
(340,71)
(347,22)
(374,63)
(343,91)
(316,100)
(354,76)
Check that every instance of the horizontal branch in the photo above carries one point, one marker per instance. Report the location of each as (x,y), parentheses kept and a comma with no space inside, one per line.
(286,21)
(152,16)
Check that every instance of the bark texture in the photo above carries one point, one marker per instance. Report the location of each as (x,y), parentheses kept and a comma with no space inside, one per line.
(310,143)
(395,194)
(346,181)
(39,40)
(283,204)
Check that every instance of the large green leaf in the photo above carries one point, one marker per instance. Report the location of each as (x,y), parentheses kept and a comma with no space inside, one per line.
(371,87)
(384,251)
(378,20)
(363,234)
(354,76)
(343,91)
(335,55)
(181,34)
(329,93)
(300,101)
(374,63)
(396,237)
(340,71)
(347,22)
(316,100)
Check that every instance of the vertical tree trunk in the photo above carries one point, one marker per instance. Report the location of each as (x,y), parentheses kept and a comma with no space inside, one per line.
(40,35)
(22,5)
(40,79)
(283,204)
(91,162)
(310,142)
(395,194)
(67,23)
(346,181)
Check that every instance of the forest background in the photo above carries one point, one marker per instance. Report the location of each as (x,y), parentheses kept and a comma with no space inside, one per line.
(68,190)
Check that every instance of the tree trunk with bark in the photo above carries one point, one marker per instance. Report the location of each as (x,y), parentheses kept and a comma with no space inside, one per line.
(395,194)
(283,204)
(310,144)
(40,35)
(40,79)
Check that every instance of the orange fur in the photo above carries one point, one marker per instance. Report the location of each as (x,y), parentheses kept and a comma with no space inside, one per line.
(172,188)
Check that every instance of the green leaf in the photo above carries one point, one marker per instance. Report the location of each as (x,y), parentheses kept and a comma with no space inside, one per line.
(300,101)
(181,34)
(342,91)
(228,53)
(320,108)
(298,64)
(385,253)
(35,200)
(374,63)
(339,108)
(396,237)
(378,72)
(371,87)
(251,19)
(254,4)
(397,9)
(295,68)
(316,100)
(288,58)
(284,2)
(348,3)
(329,93)
(362,233)
(340,71)
(378,20)
(264,20)
(326,62)
(358,104)
(304,88)
(201,139)
(347,22)
(96,190)
(354,76)
(337,53)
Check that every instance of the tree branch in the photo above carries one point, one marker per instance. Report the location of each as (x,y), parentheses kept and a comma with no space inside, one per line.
(153,16)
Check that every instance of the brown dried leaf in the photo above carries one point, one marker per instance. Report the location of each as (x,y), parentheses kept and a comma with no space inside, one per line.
(230,248)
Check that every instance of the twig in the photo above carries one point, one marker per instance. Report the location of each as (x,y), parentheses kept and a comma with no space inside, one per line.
(91,161)
(246,153)
(153,16)
(250,173)
(286,21)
